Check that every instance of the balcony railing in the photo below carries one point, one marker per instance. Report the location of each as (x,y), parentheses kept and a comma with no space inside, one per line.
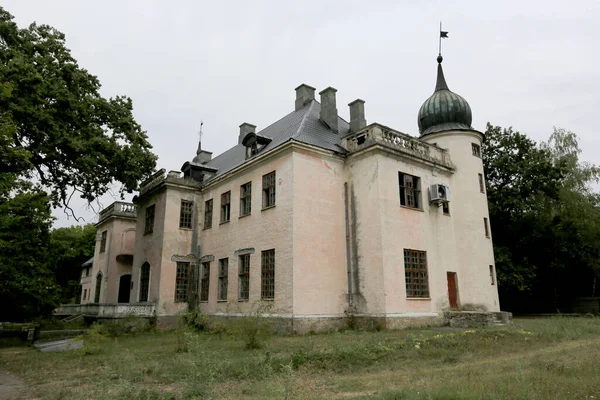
(107,310)
(413,147)
(119,209)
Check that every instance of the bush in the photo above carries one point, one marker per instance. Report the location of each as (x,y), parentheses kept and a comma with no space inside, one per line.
(131,324)
(196,320)
(254,327)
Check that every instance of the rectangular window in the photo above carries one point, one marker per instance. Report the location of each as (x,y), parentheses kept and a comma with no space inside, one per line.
(84,293)
(185,214)
(268,190)
(208,207)
(244,277)
(476,149)
(492,275)
(103,242)
(246,199)
(268,275)
(204,281)
(225,206)
(181,282)
(486,227)
(87,271)
(481,185)
(149,227)
(410,190)
(415,272)
(223,278)
(446,208)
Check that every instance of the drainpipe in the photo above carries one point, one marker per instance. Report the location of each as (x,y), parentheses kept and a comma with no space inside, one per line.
(348,255)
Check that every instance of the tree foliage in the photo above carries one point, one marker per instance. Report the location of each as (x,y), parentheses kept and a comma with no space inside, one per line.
(55,125)
(545,219)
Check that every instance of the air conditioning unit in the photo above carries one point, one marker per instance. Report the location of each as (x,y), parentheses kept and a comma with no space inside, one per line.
(439,193)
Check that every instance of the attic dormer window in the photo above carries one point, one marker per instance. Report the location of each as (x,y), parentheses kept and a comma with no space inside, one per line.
(254,144)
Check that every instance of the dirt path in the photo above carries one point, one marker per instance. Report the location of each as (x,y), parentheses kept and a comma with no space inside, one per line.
(10,386)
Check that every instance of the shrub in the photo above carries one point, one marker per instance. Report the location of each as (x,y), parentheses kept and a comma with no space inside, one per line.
(254,326)
(196,320)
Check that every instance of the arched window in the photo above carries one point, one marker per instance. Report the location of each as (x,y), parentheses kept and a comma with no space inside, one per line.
(144,281)
(98,287)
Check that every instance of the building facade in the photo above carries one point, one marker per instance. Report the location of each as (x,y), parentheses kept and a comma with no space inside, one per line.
(314,216)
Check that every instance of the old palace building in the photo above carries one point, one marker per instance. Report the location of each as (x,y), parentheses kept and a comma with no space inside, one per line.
(315,215)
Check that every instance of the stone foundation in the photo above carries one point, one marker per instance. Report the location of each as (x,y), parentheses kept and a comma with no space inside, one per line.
(477,319)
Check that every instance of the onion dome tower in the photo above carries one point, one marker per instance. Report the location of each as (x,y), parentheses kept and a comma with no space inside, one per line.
(444,110)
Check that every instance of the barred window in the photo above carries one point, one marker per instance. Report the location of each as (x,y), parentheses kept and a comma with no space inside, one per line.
(181,281)
(269,190)
(246,199)
(149,226)
(185,214)
(103,242)
(415,273)
(204,281)
(223,278)
(244,277)
(208,211)
(144,281)
(225,206)
(268,275)
(410,190)
(476,149)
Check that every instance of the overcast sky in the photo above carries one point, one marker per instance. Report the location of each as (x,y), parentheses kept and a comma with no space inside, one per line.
(527,64)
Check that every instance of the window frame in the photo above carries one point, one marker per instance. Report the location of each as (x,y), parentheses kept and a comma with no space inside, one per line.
(267,275)
(476,149)
(182,276)
(408,192)
(486,227)
(244,277)
(246,199)
(186,214)
(223,281)
(226,207)
(103,237)
(492,275)
(481,183)
(269,192)
(144,292)
(149,219)
(98,287)
(208,213)
(204,281)
(413,282)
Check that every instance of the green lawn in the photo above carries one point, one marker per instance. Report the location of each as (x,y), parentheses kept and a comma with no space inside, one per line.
(553,358)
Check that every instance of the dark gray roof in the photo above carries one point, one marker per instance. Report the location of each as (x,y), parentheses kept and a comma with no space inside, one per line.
(88,263)
(303,125)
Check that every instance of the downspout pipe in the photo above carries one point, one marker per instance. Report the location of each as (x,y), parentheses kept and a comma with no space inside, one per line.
(348,255)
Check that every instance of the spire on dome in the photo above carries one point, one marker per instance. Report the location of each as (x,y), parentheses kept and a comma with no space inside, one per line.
(441,81)
(200,139)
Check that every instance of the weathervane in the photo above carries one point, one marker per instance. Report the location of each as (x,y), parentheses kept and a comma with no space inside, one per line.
(200,138)
(443,35)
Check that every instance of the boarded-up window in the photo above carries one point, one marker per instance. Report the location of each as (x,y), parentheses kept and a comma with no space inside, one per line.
(149,226)
(244,277)
(415,273)
(268,275)
(225,206)
(223,278)
(204,281)
(246,199)
(144,281)
(103,242)
(410,190)
(181,281)
(269,190)
(185,214)
(208,212)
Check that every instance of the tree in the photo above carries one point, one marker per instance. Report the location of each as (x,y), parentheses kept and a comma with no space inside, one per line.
(545,218)
(55,126)
(27,285)
(69,248)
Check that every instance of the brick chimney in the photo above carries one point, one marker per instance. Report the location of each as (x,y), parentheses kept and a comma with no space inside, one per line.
(329,113)
(357,115)
(245,129)
(304,94)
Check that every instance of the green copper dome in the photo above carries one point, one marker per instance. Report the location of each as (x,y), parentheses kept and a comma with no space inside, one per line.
(444,110)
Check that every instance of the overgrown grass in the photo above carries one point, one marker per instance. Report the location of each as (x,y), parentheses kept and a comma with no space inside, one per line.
(555,358)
